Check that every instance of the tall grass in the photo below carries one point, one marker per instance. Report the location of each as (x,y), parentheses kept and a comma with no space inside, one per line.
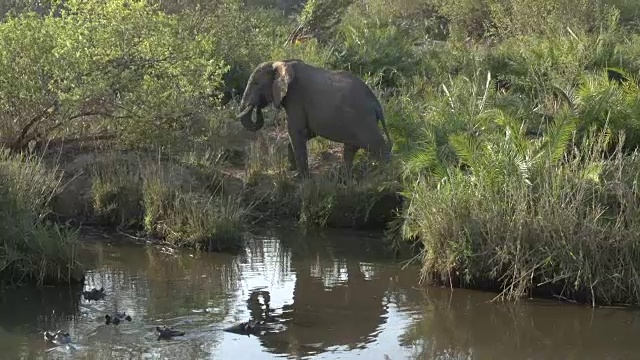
(188,217)
(570,232)
(336,198)
(31,248)
(547,214)
(174,200)
(116,192)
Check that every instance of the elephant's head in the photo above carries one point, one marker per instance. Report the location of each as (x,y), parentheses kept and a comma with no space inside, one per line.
(268,83)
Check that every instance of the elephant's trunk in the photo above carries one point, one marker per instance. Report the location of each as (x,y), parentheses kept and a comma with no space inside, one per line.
(245,118)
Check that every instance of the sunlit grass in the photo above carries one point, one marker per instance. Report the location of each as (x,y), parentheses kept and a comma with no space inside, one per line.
(31,248)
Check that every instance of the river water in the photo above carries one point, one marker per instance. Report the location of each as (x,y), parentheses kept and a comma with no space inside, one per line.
(333,295)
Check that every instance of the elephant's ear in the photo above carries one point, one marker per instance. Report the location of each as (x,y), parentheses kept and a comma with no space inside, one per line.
(283,76)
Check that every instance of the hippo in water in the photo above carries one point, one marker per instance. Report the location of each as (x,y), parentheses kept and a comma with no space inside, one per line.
(168,333)
(94,294)
(116,318)
(59,337)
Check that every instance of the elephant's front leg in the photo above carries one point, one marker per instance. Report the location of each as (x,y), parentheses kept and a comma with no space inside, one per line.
(298,140)
(291,154)
(348,155)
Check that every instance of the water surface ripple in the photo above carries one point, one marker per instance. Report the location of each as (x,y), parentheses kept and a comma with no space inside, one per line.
(332,295)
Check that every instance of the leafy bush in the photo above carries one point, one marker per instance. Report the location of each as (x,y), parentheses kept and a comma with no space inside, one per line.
(388,51)
(553,233)
(245,37)
(147,74)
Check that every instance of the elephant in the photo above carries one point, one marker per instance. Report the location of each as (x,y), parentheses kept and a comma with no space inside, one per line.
(333,104)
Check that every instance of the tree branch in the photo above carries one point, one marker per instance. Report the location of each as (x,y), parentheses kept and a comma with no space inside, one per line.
(19,142)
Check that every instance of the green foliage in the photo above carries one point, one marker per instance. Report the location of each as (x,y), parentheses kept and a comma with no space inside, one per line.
(466,17)
(334,200)
(491,106)
(388,51)
(189,218)
(148,73)
(32,249)
(556,231)
(509,18)
(321,18)
(309,50)
(244,37)
(549,17)
(116,193)
(599,102)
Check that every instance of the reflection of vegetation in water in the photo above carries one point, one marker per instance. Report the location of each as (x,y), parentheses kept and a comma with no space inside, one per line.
(207,282)
(152,282)
(41,308)
(426,347)
(169,277)
(277,256)
(334,305)
(468,325)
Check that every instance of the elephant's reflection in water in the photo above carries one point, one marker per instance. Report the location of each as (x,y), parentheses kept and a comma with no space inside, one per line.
(260,312)
(347,314)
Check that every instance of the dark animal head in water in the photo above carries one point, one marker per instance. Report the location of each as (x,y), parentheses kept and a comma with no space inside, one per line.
(115,319)
(168,333)
(250,327)
(94,294)
(59,337)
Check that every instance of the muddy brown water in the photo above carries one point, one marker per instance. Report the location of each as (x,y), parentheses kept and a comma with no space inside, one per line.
(333,295)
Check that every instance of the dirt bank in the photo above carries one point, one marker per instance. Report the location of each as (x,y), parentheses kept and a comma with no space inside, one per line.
(245,172)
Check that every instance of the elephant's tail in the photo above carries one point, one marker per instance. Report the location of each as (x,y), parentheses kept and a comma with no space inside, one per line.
(380,117)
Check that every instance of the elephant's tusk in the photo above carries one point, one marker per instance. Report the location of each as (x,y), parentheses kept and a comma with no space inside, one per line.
(247,110)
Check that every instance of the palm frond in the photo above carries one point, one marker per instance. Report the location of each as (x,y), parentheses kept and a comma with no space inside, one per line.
(558,135)
(467,148)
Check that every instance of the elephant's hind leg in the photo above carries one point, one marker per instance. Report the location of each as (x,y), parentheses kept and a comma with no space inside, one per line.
(349,154)
(379,149)
(291,156)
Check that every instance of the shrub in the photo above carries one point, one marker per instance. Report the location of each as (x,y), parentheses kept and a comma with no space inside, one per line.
(32,249)
(246,37)
(336,200)
(605,104)
(146,75)
(117,193)
(521,217)
(188,218)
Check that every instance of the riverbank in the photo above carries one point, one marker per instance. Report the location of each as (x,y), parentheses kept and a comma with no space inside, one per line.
(515,146)
(203,200)
(504,236)
(33,249)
